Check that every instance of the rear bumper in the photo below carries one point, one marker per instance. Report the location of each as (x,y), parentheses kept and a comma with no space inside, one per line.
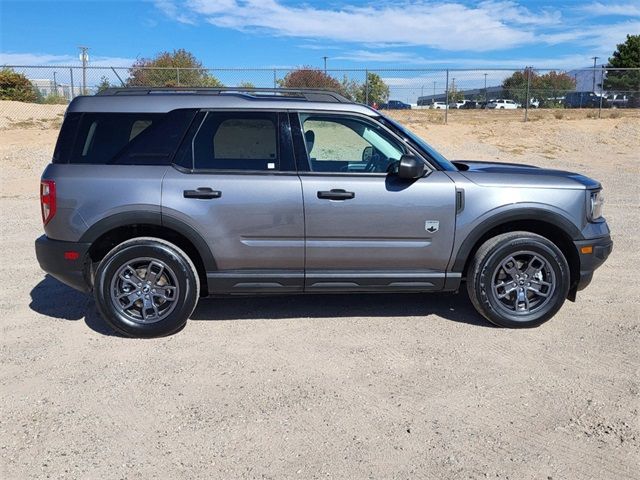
(589,262)
(51,257)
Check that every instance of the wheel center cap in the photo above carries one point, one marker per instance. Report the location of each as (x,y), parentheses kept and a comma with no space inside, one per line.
(146,289)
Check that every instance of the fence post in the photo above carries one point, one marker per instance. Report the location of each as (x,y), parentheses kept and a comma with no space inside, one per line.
(73,93)
(275,79)
(366,87)
(178,75)
(601,91)
(526,106)
(446,107)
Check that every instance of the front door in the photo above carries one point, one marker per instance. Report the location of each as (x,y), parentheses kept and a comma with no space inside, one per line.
(239,190)
(367,229)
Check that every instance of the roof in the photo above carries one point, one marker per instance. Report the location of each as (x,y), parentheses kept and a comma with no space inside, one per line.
(161,100)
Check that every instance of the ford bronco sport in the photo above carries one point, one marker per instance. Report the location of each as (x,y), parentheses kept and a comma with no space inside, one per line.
(157,197)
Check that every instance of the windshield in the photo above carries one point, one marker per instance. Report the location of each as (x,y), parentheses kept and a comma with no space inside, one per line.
(419,143)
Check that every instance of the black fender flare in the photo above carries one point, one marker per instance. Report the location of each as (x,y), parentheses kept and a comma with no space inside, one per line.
(155,218)
(534,214)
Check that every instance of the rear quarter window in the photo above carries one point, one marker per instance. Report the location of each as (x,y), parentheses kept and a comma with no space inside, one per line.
(121,138)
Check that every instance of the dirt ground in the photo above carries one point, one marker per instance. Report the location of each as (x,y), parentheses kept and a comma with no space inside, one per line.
(383,386)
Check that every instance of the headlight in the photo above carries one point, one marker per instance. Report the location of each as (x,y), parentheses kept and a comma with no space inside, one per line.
(596,204)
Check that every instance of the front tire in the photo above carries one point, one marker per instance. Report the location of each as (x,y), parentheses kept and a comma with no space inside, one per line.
(518,280)
(146,287)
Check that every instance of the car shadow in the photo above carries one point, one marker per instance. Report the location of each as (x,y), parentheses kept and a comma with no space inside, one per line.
(54,299)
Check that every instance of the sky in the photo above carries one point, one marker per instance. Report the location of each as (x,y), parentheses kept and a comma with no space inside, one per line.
(352,34)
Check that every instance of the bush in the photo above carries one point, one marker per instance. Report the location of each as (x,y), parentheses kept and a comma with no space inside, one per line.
(54,99)
(15,86)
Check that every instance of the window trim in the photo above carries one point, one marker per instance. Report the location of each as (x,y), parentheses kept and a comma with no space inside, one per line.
(304,163)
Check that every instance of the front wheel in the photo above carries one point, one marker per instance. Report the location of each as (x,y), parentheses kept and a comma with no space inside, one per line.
(518,279)
(146,287)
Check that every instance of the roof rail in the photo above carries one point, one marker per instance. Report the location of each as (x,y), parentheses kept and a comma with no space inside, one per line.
(308,94)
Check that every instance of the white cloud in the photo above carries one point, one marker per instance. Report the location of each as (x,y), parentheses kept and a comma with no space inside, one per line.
(43,59)
(447,26)
(616,9)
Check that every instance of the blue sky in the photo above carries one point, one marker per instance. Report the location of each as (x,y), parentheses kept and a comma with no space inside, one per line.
(352,33)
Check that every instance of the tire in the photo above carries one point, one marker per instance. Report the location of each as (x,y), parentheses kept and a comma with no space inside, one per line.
(146,287)
(526,301)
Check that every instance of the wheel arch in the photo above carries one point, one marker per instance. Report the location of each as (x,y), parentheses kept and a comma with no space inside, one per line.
(550,225)
(113,230)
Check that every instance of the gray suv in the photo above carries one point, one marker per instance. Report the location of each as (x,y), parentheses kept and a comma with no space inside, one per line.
(157,197)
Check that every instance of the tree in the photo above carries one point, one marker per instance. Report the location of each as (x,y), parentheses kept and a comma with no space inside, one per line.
(246,85)
(455,95)
(15,86)
(551,86)
(374,90)
(171,69)
(627,55)
(544,87)
(309,77)
(104,84)
(515,86)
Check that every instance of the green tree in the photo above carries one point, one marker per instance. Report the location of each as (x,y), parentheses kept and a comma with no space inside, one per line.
(246,85)
(374,90)
(104,84)
(455,95)
(515,86)
(627,55)
(179,68)
(15,86)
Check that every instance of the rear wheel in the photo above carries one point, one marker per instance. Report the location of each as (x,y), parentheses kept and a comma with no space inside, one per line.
(518,279)
(146,287)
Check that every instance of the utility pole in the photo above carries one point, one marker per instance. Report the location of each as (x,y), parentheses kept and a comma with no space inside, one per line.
(485,88)
(593,89)
(55,84)
(84,57)
(325,64)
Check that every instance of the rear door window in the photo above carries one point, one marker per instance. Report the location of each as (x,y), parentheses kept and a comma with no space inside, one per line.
(237,141)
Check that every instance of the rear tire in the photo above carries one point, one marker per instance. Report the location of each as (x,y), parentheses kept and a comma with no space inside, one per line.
(146,287)
(518,280)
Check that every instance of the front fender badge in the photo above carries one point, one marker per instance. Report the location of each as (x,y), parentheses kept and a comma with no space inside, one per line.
(432,226)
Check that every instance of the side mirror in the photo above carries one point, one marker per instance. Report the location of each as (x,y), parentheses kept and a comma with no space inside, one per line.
(367,154)
(410,167)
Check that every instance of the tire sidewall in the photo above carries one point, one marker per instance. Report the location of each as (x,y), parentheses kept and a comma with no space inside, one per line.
(488,266)
(187,290)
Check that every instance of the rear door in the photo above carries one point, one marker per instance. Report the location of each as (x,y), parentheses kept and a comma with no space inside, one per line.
(237,186)
(367,229)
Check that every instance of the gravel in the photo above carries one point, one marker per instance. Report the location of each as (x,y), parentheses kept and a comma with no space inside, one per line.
(359,386)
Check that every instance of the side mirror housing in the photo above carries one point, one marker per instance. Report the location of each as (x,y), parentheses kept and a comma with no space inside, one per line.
(410,167)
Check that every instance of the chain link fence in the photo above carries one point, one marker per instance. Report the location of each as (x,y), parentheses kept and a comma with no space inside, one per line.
(446,92)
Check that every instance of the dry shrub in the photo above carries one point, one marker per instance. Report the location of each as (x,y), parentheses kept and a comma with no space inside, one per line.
(559,114)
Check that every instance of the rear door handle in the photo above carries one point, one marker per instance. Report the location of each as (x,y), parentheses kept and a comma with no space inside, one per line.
(336,194)
(202,192)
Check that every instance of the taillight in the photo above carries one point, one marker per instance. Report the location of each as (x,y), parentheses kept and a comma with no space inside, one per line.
(47,200)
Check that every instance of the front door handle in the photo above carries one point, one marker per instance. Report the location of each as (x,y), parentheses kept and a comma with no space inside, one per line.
(336,194)
(202,192)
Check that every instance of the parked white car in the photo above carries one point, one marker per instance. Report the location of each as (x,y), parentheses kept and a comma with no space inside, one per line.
(502,104)
(458,104)
(438,106)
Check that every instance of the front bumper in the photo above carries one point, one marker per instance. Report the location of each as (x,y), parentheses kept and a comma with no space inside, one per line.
(51,257)
(601,249)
